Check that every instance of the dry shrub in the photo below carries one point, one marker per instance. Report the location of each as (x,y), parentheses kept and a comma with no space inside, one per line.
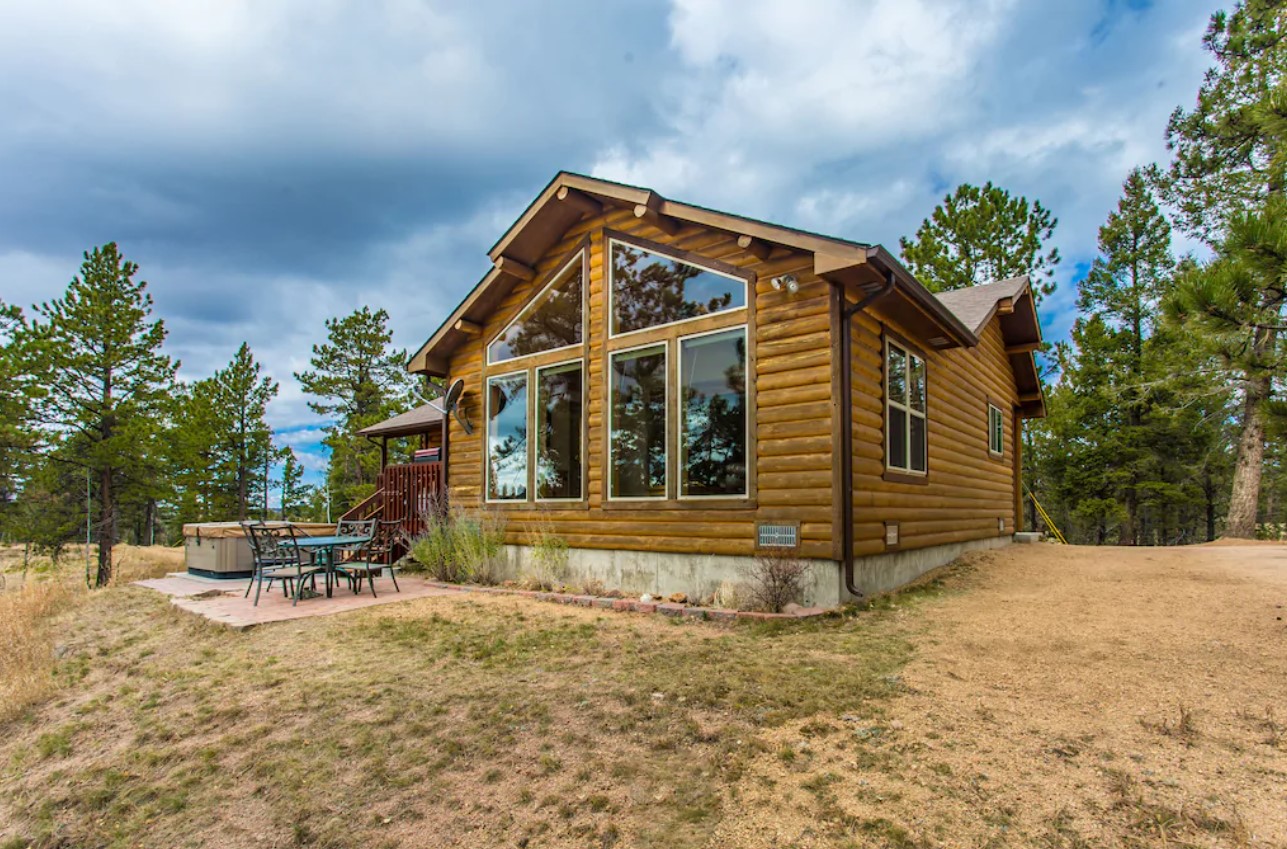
(547,557)
(775,580)
(460,547)
(729,595)
(27,641)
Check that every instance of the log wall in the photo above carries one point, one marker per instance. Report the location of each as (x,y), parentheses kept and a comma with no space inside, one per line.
(966,488)
(790,409)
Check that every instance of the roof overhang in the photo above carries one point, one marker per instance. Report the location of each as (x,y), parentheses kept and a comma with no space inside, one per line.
(1021,332)
(570,197)
(423,419)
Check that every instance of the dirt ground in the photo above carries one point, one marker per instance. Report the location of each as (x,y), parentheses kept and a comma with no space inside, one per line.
(1064,697)
(1035,696)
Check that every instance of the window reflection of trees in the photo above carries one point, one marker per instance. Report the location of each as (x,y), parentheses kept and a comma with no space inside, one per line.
(639,424)
(650,290)
(713,438)
(507,438)
(554,322)
(558,468)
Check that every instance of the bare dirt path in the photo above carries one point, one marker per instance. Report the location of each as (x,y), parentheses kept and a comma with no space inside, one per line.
(1064,697)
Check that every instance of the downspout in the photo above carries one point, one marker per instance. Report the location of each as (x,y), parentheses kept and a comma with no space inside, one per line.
(847,312)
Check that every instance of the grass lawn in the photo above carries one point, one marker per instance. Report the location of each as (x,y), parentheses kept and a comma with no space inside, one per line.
(457,721)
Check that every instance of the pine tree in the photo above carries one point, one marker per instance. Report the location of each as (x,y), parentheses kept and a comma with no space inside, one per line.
(106,381)
(1235,306)
(293,490)
(980,235)
(357,380)
(1124,286)
(1227,182)
(241,396)
(16,437)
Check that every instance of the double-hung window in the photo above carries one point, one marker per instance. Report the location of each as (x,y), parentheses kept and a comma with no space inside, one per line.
(905,424)
(996,431)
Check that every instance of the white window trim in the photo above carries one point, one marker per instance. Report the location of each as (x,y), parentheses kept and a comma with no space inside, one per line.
(679,414)
(611,265)
(907,410)
(487,438)
(558,277)
(664,345)
(996,452)
(536,400)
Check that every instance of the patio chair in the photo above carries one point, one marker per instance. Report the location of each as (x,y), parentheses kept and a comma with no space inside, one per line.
(373,558)
(277,558)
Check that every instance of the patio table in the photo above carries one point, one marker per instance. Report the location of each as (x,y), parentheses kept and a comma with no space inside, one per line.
(325,549)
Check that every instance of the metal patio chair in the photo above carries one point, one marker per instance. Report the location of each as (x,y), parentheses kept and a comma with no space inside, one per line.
(373,558)
(277,558)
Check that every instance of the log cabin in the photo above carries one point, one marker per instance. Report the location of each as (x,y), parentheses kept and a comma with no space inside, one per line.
(674,390)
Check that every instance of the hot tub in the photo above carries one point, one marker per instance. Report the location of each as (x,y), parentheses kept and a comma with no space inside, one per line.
(221,550)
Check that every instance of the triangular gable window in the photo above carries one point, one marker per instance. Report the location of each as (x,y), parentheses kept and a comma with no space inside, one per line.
(551,321)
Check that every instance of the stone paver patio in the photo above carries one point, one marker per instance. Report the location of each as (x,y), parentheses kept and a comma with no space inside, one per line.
(223,601)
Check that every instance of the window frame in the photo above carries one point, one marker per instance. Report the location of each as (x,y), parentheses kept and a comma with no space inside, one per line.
(892,473)
(581,253)
(732,272)
(996,453)
(664,345)
(679,413)
(487,438)
(536,448)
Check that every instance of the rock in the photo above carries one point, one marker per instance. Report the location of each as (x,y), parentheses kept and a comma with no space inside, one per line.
(678,598)
(61,650)
(791,609)
(896,725)
(646,598)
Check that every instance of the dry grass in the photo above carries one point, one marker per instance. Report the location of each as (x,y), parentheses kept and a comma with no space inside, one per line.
(27,619)
(998,707)
(497,720)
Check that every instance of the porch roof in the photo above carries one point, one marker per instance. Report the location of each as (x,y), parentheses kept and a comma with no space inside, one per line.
(422,419)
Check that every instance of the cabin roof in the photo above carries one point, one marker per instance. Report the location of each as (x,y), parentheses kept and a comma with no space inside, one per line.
(861,267)
(422,419)
(949,320)
(1011,300)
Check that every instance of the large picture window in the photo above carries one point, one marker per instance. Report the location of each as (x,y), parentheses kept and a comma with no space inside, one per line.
(712,414)
(905,429)
(558,431)
(650,290)
(551,321)
(507,437)
(637,423)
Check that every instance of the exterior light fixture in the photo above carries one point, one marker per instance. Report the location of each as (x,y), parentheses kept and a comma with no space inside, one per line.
(786,281)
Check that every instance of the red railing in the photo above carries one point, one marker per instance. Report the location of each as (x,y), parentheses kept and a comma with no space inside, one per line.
(404,494)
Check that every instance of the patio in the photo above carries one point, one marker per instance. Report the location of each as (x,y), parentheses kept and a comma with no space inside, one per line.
(223,601)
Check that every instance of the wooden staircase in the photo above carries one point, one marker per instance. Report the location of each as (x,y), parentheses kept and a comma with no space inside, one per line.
(405,494)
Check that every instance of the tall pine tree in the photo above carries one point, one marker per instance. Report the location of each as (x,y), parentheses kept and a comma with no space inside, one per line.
(1124,286)
(106,383)
(1227,181)
(980,235)
(357,380)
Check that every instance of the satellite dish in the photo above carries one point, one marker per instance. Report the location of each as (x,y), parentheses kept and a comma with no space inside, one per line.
(451,404)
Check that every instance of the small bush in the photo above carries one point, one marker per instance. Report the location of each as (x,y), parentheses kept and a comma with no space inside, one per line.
(460,547)
(548,557)
(775,580)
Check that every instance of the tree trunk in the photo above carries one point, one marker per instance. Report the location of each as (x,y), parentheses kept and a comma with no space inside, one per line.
(106,528)
(1245,499)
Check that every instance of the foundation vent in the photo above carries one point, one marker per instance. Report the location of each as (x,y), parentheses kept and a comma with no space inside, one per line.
(778,536)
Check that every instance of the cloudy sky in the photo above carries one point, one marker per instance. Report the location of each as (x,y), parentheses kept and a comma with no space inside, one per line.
(270,164)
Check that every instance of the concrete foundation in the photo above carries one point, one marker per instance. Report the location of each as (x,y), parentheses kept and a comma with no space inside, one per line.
(700,575)
(884,572)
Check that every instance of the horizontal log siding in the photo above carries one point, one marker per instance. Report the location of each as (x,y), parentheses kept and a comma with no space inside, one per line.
(791,356)
(967,488)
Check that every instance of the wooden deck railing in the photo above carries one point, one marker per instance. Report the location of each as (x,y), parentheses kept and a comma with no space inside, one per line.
(405,494)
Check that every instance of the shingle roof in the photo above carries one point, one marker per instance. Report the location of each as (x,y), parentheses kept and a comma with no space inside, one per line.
(974,305)
(419,420)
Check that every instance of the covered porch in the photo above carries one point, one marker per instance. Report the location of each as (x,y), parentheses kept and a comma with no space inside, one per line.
(407,492)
